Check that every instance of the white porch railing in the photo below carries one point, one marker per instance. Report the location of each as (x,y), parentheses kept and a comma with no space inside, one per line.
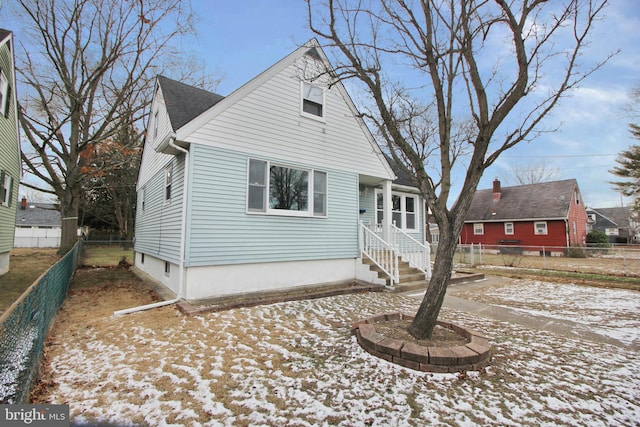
(380,252)
(417,254)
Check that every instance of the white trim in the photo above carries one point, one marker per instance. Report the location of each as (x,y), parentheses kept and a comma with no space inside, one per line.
(323,104)
(506,232)
(535,228)
(478,231)
(308,213)
(403,205)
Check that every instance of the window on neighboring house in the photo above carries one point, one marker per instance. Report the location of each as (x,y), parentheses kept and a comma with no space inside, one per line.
(4,94)
(577,197)
(283,190)
(168,178)
(404,210)
(508,228)
(5,193)
(540,227)
(312,100)
(478,228)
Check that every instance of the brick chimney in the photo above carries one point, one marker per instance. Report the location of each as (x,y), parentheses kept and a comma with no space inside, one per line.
(23,203)
(496,190)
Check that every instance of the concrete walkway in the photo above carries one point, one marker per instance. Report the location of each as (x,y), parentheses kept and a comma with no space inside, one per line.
(562,327)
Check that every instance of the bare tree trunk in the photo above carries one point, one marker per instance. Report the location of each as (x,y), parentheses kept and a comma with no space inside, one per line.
(427,315)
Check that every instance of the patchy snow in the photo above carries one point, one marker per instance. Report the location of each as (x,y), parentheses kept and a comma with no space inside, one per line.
(610,312)
(296,363)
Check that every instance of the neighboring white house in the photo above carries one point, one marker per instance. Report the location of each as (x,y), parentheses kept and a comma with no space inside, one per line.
(38,225)
(267,188)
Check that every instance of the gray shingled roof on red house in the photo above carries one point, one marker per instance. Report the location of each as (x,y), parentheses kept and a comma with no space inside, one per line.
(38,214)
(547,200)
(184,102)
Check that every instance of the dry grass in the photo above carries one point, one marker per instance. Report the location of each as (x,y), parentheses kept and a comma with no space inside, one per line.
(25,266)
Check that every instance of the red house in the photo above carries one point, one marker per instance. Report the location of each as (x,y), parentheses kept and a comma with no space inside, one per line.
(549,216)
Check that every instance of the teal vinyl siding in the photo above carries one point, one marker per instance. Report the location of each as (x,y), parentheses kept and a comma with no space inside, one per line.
(9,152)
(158,225)
(222,232)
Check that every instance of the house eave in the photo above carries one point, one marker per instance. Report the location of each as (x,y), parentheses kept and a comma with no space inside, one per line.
(475,221)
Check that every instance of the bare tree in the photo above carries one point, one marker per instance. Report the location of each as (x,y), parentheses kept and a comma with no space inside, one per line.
(84,61)
(485,73)
(534,173)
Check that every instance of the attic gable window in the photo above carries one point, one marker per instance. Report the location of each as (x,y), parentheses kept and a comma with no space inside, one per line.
(312,101)
(4,94)
(283,190)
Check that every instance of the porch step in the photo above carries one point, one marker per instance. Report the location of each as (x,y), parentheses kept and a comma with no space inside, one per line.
(410,278)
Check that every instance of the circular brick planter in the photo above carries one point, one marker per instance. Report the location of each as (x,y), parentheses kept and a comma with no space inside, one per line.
(472,356)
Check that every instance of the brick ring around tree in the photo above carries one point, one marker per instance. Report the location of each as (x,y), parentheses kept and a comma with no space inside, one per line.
(472,356)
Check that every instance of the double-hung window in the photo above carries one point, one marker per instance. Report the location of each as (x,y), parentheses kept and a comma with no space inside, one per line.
(508,228)
(285,190)
(312,101)
(540,227)
(478,228)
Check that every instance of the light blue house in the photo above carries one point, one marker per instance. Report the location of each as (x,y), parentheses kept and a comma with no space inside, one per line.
(278,185)
(9,148)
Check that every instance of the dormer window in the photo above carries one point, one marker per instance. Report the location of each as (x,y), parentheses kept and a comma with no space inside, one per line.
(312,101)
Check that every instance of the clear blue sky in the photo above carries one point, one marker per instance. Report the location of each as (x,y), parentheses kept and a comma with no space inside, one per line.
(238,40)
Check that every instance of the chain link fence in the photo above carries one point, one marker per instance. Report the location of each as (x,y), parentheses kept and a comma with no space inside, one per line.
(24,327)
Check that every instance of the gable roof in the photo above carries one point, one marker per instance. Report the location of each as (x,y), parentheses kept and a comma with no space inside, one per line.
(185,102)
(543,201)
(46,214)
(4,34)
(618,216)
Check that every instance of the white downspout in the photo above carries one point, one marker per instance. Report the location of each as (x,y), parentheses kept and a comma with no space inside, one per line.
(183,228)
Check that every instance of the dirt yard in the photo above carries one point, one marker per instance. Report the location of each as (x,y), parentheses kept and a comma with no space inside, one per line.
(295,363)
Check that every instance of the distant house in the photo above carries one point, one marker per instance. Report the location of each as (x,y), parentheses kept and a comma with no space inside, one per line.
(278,185)
(617,223)
(9,148)
(38,225)
(528,217)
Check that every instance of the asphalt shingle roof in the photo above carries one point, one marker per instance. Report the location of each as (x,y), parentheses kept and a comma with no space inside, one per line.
(547,200)
(43,214)
(185,102)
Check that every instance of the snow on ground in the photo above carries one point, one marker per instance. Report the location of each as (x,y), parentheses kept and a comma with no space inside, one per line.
(610,312)
(295,363)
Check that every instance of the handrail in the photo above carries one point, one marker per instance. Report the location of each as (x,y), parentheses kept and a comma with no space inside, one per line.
(381,253)
(411,250)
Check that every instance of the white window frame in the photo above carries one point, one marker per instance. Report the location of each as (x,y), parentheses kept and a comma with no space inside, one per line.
(540,232)
(168,183)
(402,211)
(7,184)
(155,124)
(478,228)
(509,229)
(143,200)
(306,95)
(4,94)
(265,185)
